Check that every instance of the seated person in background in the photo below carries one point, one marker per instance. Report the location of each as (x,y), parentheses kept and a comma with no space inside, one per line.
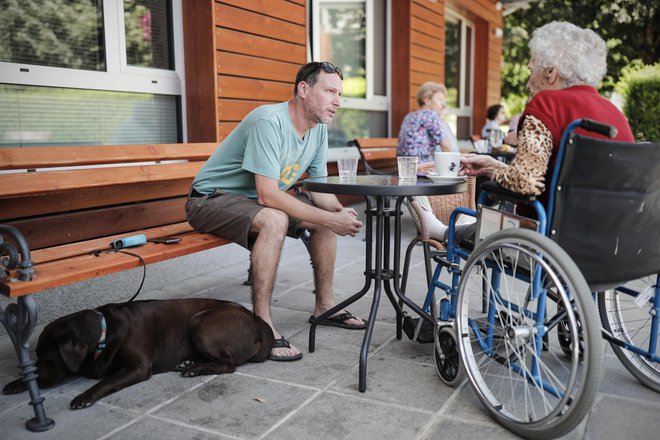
(566,64)
(496,117)
(240,193)
(511,137)
(422,131)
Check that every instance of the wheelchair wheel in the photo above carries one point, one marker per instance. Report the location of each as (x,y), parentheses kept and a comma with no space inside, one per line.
(447,359)
(522,376)
(631,324)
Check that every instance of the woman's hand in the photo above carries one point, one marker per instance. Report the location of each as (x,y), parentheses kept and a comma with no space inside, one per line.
(478,165)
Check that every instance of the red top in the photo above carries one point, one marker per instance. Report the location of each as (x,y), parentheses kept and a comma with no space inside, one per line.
(558,108)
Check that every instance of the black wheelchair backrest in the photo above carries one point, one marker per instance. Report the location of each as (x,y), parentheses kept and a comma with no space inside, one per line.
(606,212)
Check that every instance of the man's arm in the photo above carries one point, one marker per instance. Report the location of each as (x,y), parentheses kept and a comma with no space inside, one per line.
(341,220)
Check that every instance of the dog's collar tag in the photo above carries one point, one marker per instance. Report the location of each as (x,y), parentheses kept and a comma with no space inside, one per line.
(101,345)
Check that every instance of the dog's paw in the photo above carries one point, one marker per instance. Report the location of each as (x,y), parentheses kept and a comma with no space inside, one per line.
(190,372)
(14,387)
(82,401)
(183,366)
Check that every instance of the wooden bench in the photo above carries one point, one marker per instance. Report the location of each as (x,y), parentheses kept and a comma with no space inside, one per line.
(378,154)
(67,202)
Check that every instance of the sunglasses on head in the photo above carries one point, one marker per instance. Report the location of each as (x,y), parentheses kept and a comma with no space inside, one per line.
(326,66)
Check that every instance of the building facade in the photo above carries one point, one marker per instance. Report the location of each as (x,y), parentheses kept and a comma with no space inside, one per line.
(126,72)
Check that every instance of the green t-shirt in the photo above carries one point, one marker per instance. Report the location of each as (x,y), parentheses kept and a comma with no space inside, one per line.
(264,143)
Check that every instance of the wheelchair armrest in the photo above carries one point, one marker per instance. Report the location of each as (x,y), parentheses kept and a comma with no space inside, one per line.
(504,194)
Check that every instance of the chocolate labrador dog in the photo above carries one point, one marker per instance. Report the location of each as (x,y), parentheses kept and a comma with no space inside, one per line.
(123,344)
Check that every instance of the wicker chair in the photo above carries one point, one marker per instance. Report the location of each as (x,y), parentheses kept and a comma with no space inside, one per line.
(442,207)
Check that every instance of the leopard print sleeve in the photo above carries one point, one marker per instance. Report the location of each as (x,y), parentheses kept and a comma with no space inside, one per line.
(526,173)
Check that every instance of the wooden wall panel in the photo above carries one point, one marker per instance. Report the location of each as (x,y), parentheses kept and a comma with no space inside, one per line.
(200,81)
(236,109)
(250,88)
(259,24)
(260,44)
(229,40)
(431,43)
(487,55)
(282,9)
(402,64)
(261,68)
(427,45)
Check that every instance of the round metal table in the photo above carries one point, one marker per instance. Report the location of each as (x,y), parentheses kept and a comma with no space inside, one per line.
(379,191)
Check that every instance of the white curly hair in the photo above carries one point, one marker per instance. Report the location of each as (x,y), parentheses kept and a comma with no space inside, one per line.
(579,55)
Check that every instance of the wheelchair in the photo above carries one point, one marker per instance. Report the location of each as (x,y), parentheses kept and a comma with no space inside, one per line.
(518,315)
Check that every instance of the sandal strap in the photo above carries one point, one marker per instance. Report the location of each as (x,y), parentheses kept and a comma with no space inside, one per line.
(281,343)
(343,316)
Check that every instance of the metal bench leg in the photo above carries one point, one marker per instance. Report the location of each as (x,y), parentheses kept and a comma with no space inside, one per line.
(20,320)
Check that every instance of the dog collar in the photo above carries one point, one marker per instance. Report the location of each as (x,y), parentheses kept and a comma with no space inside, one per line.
(101,345)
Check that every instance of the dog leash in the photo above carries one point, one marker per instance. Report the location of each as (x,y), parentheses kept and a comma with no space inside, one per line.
(98,252)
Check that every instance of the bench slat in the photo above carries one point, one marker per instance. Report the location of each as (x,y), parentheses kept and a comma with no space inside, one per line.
(367,143)
(21,207)
(378,154)
(25,184)
(47,157)
(74,269)
(85,247)
(71,227)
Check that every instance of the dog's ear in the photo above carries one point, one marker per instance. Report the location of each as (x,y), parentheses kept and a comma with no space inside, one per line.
(73,353)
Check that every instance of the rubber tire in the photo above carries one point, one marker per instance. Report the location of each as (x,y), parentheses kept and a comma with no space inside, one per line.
(644,370)
(570,410)
(447,358)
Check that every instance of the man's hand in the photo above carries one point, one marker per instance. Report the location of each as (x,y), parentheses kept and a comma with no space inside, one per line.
(345,222)
(328,211)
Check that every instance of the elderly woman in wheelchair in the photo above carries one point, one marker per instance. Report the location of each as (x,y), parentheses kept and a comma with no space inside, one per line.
(517,314)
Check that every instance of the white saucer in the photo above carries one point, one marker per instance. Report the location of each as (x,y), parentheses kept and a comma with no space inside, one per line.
(441,179)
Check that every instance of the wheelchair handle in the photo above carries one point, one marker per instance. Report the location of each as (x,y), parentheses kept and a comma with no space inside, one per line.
(598,127)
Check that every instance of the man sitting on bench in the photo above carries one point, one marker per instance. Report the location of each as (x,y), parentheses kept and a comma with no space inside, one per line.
(240,193)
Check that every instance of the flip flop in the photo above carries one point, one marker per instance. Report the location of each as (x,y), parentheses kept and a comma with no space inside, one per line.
(283,343)
(339,321)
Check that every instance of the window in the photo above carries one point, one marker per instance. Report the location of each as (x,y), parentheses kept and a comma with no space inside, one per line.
(353,35)
(90,72)
(458,73)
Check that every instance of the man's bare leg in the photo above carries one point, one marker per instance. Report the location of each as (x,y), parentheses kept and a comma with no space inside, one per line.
(323,251)
(271,226)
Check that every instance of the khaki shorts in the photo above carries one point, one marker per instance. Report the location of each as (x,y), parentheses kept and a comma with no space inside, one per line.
(230,216)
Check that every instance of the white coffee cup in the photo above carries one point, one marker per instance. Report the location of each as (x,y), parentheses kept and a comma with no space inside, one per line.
(447,164)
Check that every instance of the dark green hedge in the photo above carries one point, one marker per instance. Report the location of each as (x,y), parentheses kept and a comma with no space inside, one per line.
(642,107)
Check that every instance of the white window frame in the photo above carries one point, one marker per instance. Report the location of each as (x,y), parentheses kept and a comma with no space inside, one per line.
(371,102)
(462,109)
(118,76)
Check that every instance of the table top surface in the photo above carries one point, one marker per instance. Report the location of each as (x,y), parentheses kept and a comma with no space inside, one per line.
(383,185)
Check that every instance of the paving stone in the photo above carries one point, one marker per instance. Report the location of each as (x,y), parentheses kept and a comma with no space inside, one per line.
(316,398)
(237,405)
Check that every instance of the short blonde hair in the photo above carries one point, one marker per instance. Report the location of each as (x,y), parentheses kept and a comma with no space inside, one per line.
(428,89)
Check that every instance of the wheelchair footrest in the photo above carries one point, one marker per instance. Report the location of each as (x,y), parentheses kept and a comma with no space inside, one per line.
(425,333)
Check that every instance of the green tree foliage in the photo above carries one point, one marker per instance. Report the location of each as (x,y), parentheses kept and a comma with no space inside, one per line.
(58,33)
(629,28)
